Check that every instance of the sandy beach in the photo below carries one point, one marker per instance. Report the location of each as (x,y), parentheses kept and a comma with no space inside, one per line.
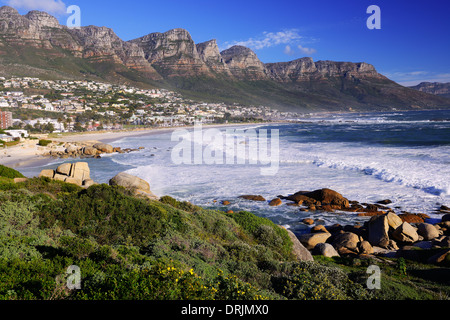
(29,153)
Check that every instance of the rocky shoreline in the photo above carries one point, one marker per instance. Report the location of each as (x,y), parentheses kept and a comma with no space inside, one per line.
(385,234)
(78,173)
(86,149)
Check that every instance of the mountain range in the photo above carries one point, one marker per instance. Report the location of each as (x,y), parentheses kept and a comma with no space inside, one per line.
(36,44)
(437,88)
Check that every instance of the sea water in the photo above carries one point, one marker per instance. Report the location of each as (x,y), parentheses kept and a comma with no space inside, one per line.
(367,157)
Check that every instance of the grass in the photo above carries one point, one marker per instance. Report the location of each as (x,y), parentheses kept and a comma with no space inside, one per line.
(129,247)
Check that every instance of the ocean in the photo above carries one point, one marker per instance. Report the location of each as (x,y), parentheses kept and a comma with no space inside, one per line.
(403,156)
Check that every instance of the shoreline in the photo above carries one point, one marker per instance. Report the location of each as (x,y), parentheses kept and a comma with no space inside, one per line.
(29,154)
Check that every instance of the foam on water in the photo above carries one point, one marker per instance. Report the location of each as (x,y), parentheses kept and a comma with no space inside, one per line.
(416,179)
(368,159)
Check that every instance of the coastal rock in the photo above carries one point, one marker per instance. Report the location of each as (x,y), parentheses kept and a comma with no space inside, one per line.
(60,177)
(275,202)
(310,240)
(137,185)
(446,218)
(428,231)
(378,228)
(347,240)
(394,221)
(387,201)
(88,183)
(72,149)
(319,228)
(413,218)
(405,233)
(308,221)
(326,250)
(76,181)
(253,198)
(300,252)
(103,147)
(331,197)
(47,174)
(64,169)
(80,171)
(300,198)
(442,257)
(364,247)
(90,151)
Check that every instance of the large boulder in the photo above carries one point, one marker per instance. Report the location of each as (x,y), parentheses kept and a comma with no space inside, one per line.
(364,247)
(331,197)
(300,252)
(275,202)
(90,151)
(310,240)
(326,250)
(405,233)
(64,169)
(47,174)
(394,221)
(72,149)
(428,231)
(347,240)
(80,171)
(253,198)
(103,147)
(300,198)
(378,230)
(76,181)
(137,185)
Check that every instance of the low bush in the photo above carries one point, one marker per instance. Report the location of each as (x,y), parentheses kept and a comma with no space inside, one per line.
(10,173)
(44,143)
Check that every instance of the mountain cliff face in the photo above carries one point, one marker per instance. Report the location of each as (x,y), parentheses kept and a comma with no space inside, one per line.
(210,55)
(305,69)
(244,64)
(436,88)
(97,44)
(35,44)
(173,53)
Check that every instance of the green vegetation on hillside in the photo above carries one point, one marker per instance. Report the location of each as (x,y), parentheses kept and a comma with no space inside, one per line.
(132,248)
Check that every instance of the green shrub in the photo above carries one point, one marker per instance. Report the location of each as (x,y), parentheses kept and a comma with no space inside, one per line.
(311,281)
(108,214)
(10,173)
(184,205)
(265,232)
(77,247)
(44,143)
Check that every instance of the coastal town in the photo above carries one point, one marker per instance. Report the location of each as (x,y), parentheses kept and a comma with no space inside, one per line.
(59,106)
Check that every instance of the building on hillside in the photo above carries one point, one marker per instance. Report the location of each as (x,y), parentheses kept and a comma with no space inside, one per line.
(6,119)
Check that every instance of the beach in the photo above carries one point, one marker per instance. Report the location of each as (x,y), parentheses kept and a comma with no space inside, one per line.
(28,153)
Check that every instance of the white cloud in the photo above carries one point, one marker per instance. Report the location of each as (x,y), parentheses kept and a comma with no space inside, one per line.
(306,51)
(288,50)
(412,78)
(56,7)
(268,39)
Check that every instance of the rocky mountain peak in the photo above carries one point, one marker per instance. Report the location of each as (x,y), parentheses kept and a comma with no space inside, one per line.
(173,52)
(244,63)
(7,10)
(209,52)
(43,19)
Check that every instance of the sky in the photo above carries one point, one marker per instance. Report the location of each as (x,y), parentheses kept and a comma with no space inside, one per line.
(412,45)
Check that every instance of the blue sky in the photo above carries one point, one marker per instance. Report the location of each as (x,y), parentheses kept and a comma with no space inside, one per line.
(412,45)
